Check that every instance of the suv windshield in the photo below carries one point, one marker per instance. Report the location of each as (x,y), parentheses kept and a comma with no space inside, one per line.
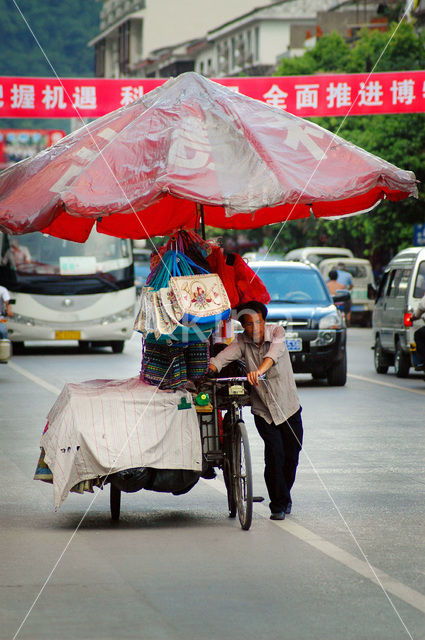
(295,286)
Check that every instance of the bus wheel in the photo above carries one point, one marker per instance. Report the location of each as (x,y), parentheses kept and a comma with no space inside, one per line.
(18,348)
(117,346)
(84,346)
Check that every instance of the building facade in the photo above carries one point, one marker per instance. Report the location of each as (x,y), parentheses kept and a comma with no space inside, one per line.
(131,31)
(217,38)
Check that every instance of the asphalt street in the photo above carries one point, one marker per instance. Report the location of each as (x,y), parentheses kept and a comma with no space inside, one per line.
(348,563)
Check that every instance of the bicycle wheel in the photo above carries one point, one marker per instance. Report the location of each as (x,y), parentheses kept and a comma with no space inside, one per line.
(228,480)
(115,502)
(242,474)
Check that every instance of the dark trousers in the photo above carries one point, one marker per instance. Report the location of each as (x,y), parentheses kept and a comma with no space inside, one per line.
(282,446)
(420,344)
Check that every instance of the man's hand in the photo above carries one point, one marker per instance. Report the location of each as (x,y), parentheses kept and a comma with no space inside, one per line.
(253,377)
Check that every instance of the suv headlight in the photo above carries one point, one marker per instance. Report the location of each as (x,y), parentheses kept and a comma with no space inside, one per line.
(332,320)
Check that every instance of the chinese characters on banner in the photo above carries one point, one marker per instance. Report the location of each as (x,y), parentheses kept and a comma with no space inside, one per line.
(321,95)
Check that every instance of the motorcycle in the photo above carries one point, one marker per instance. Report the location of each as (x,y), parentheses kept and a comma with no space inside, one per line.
(5,348)
(414,359)
(5,343)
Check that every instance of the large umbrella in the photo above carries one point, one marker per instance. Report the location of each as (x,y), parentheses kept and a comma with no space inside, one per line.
(139,171)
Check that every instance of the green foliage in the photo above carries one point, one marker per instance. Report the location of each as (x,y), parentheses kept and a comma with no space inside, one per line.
(399,139)
(62,30)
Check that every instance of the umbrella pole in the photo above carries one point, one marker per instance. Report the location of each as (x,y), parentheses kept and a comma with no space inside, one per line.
(201,221)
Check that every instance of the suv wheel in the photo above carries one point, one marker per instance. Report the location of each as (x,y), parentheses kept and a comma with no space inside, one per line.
(337,376)
(380,361)
(401,363)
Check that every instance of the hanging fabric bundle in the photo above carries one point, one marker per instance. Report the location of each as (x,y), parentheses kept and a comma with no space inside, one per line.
(189,243)
(188,308)
(163,365)
(240,281)
(197,357)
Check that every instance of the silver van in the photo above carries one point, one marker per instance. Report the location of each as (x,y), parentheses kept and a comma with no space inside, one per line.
(317,254)
(400,290)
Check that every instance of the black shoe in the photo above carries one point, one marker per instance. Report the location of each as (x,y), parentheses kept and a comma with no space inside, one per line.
(288,508)
(279,515)
(420,366)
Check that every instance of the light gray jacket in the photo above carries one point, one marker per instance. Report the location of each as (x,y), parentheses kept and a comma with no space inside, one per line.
(274,399)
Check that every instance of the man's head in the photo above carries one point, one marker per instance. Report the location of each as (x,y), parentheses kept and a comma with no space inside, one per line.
(333,274)
(252,316)
(341,266)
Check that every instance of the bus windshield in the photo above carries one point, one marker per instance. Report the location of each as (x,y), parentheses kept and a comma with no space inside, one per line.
(37,262)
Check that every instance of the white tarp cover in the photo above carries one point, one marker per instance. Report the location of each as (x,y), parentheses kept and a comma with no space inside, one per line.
(99,427)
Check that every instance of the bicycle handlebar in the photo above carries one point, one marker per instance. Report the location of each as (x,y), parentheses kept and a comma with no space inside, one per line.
(236,379)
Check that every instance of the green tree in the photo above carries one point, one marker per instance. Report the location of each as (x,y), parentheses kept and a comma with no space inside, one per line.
(48,38)
(399,139)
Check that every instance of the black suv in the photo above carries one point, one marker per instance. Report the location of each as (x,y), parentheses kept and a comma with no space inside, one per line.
(315,329)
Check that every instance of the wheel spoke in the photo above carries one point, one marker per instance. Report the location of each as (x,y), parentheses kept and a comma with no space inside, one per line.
(242,475)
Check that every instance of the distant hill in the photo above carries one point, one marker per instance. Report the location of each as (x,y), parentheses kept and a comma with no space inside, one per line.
(62,29)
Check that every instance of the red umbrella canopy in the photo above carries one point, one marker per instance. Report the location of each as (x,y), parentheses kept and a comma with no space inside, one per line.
(139,171)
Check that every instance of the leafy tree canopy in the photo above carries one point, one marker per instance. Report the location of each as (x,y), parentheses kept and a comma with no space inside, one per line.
(399,139)
(62,30)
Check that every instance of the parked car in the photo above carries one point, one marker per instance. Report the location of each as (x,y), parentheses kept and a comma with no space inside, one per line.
(253,256)
(142,260)
(363,291)
(402,286)
(315,329)
(317,254)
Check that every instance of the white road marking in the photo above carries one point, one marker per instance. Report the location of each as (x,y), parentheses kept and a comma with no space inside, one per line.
(391,585)
(34,378)
(386,384)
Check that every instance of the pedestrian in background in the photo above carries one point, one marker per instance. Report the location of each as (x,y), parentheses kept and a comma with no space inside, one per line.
(5,311)
(419,334)
(345,278)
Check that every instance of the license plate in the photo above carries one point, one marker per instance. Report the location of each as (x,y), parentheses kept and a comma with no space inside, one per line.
(294,344)
(67,335)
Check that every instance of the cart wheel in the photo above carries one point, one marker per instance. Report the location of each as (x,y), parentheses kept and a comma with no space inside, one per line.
(228,480)
(115,502)
(242,474)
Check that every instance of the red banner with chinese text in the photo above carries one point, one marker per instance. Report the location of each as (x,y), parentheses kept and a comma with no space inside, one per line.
(318,95)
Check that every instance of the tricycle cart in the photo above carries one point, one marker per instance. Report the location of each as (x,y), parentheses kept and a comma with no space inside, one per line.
(225,445)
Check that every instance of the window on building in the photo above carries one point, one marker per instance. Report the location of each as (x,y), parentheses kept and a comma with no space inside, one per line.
(201,68)
(124,46)
(257,43)
(249,41)
(233,53)
(99,59)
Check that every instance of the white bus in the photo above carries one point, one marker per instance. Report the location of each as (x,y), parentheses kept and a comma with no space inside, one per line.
(65,290)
